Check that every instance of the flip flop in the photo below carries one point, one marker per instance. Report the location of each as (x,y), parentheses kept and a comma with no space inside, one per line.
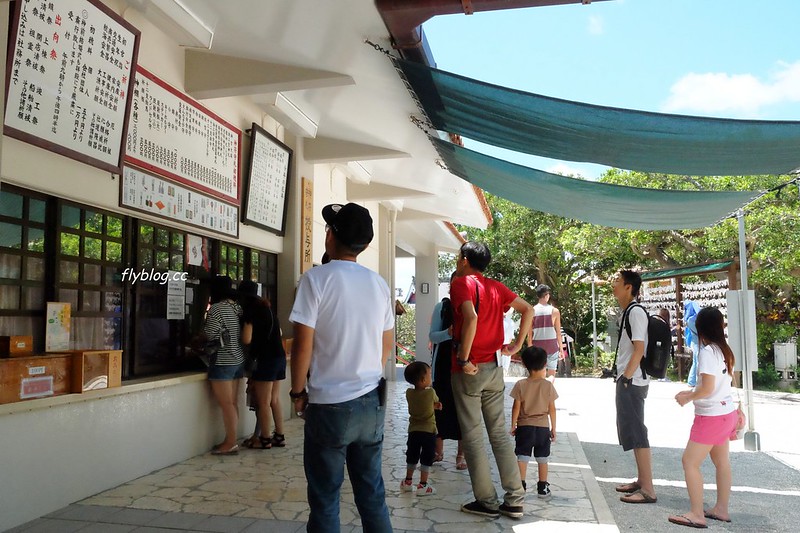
(628,487)
(632,497)
(683,520)
(712,516)
(233,450)
(461,463)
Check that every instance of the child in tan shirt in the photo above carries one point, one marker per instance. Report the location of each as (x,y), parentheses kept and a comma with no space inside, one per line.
(534,401)
(421,445)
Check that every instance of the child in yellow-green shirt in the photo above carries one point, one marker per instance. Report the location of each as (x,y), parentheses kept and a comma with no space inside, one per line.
(421,445)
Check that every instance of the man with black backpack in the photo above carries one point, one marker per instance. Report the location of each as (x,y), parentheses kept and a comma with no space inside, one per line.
(632,386)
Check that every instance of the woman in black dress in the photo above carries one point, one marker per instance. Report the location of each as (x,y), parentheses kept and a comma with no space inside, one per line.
(262,332)
(446,420)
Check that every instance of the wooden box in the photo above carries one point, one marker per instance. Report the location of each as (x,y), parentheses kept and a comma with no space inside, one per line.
(96,369)
(35,376)
(16,345)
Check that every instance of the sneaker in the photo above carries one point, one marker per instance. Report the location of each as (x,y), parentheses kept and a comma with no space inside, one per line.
(407,486)
(511,511)
(425,489)
(479,509)
(543,489)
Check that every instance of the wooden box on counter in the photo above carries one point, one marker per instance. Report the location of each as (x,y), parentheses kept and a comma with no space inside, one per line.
(96,369)
(16,345)
(35,376)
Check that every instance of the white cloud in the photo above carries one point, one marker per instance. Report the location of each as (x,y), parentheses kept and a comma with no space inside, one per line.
(564,170)
(742,95)
(596,26)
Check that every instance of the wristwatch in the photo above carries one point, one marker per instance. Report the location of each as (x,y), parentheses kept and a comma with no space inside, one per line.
(462,362)
(298,395)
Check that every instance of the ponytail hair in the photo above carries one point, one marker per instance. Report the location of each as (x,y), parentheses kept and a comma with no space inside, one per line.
(710,326)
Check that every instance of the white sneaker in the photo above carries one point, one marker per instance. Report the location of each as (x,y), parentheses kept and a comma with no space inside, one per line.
(407,486)
(425,490)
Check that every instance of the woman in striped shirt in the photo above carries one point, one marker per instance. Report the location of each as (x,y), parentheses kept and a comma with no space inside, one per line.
(227,367)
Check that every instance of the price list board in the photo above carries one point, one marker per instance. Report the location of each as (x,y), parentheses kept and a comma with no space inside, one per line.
(173,136)
(156,196)
(69,79)
(267,182)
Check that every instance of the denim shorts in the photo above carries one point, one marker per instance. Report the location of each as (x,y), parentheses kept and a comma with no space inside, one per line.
(225,372)
(552,361)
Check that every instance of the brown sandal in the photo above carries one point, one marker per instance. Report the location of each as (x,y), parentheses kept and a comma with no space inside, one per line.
(258,443)
(461,463)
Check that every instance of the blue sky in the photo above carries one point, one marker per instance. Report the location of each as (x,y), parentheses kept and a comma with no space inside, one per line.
(723,58)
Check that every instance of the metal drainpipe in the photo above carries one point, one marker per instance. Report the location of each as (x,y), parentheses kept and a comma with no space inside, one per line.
(403,18)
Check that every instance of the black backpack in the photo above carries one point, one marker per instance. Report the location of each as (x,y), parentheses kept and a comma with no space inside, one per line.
(658,351)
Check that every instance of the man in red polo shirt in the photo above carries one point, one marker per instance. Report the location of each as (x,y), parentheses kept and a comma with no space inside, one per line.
(478,387)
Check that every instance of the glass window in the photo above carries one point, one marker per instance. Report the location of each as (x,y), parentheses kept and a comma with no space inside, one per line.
(146,234)
(11,205)
(33,298)
(91,274)
(162,260)
(36,239)
(68,272)
(70,217)
(94,222)
(162,238)
(92,248)
(10,266)
(91,300)
(36,210)
(9,297)
(114,227)
(113,251)
(70,244)
(10,235)
(34,268)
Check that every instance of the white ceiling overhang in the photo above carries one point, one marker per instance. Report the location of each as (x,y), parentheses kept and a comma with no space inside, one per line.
(343,96)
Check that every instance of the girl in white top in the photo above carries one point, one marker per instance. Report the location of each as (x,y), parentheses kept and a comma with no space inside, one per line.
(715,419)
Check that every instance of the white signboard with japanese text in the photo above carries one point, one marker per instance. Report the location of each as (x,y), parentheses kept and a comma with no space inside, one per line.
(268,181)
(157,196)
(70,76)
(171,135)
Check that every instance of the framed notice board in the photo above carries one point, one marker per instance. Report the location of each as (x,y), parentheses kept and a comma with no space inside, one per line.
(69,79)
(267,185)
(151,194)
(173,136)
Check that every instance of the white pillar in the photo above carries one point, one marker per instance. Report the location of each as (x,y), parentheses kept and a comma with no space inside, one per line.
(426,272)
(386,268)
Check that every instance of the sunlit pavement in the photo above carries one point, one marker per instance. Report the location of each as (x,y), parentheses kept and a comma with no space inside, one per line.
(265,490)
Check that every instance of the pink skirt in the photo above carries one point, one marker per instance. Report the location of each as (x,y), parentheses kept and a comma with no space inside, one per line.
(713,430)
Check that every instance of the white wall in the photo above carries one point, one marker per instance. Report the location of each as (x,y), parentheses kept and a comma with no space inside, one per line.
(60,450)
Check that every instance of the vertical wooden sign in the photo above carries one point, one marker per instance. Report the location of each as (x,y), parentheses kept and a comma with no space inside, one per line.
(307,225)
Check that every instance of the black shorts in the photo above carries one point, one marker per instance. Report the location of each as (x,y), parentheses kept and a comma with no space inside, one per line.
(631,431)
(421,447)
(534,439)
(269,369)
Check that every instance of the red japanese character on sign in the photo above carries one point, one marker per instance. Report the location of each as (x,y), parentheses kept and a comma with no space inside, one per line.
(55,37)
(58,20)
(53,54)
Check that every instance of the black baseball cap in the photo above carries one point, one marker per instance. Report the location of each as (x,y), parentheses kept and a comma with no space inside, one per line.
(351,224)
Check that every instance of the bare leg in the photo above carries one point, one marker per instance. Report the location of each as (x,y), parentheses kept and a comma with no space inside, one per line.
(542,471)
(644,468)
(720,456)
(523,469)
(275,406)
(263,394)
(693,457)
(224,393)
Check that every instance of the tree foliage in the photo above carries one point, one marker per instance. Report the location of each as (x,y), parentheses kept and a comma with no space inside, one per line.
(530,247)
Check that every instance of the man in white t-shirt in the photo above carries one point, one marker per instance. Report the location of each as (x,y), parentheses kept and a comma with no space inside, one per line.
(343,319)
(632,386)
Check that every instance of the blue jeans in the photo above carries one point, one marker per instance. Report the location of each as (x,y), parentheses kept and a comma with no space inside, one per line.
(349,432)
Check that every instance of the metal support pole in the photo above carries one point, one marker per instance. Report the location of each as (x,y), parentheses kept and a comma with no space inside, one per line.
(752,441)
(594,328)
